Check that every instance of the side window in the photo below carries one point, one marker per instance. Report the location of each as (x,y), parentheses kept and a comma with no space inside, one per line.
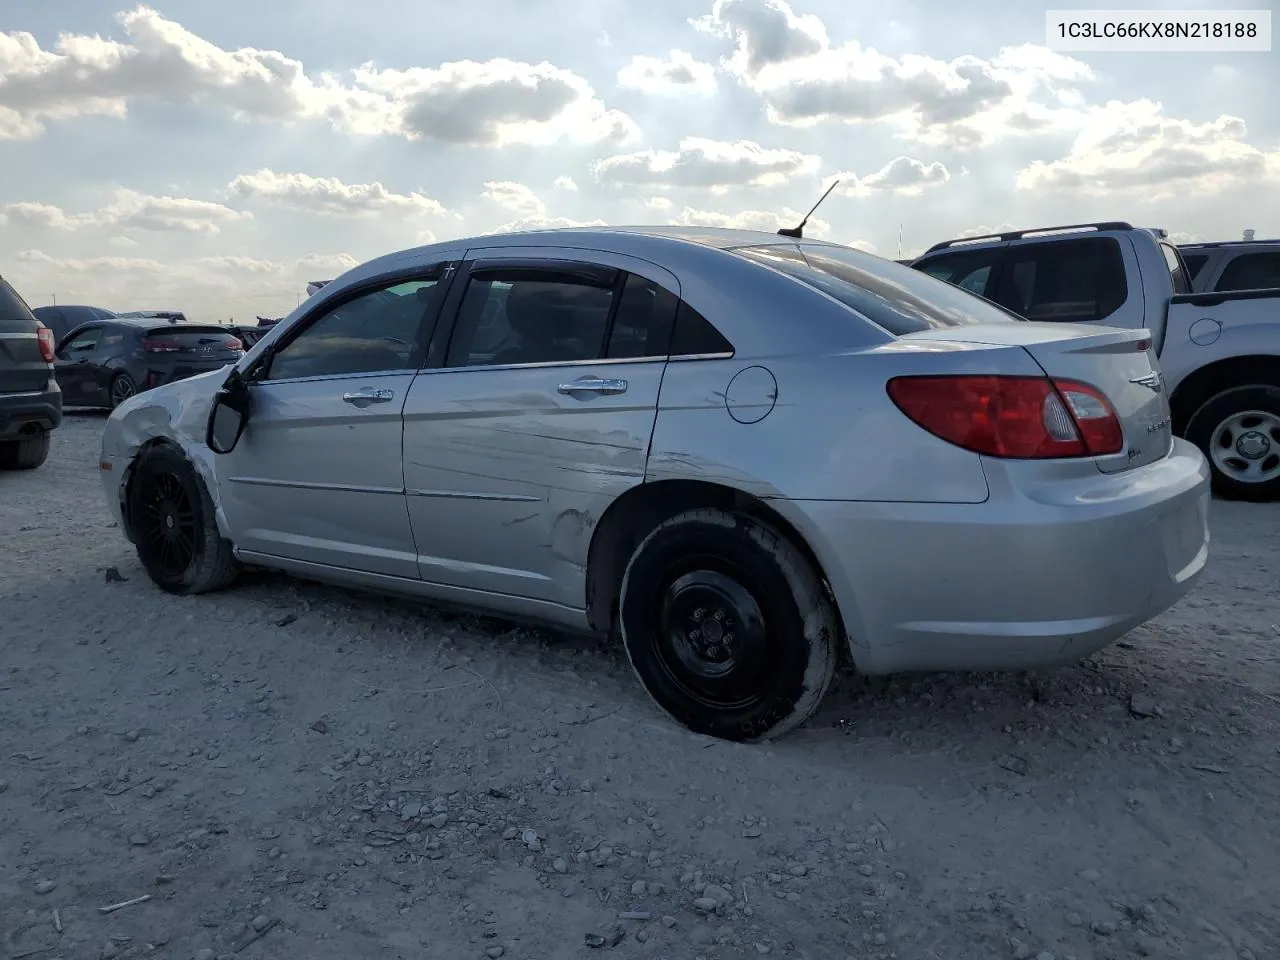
(110,338)
(1181,282)
(1195,263)
(82,343)
(970,270)
(379,330)
(1064,280)
(1251,271)
(695,336)
(643,322)
(526,317)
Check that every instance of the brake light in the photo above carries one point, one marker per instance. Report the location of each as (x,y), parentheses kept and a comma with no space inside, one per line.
(233,343)
(1012,417)
(153,345)
(44,336)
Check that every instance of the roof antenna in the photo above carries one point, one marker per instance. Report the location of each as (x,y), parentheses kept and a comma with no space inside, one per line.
(798,232)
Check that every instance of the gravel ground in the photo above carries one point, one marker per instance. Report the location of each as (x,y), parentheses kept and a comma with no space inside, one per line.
(290,770)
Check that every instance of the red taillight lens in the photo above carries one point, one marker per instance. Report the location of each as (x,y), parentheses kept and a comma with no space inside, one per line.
(44,336)
(152,345)
(233,343)
(1014,417)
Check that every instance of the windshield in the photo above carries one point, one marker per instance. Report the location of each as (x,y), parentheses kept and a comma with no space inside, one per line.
(896,297)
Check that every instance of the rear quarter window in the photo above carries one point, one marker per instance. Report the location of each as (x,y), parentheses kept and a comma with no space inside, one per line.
(896,297)
(12,306)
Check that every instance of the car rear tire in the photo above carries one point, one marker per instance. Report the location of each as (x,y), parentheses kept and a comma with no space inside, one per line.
(728,626)
(121,389)
(1239,431)
(25,453)
(172,520)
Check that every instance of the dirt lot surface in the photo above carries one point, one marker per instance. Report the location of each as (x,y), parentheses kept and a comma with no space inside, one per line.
(292,771)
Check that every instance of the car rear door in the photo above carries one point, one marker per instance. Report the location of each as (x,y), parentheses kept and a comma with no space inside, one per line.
(534,413)
(317,476)
(76,364)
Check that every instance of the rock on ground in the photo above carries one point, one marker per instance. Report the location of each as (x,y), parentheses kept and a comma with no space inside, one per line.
(293,770)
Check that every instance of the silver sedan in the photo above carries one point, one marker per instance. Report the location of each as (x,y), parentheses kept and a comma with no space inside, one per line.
(742,455)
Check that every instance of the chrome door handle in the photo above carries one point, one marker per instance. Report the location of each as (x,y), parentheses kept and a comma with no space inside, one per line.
(367,395)
(594,385)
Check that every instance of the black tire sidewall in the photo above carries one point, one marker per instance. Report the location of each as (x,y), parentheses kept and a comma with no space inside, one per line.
(155,463)
(1212,412)
(643,586)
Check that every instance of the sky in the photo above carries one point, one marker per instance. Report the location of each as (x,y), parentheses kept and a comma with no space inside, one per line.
(214,158)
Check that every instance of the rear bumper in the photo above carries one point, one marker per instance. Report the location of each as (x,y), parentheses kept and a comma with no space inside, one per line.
(21,413)
(1032,578)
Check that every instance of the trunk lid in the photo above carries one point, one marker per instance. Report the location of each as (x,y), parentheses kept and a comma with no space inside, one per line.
(22,367)
(195,343)
(1107,358)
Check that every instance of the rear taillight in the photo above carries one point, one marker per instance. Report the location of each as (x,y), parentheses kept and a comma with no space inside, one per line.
(44,336)
(1014,417)
(233,343)
(154,345)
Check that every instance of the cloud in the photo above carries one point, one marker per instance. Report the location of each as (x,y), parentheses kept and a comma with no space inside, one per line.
(902,175)
(680,73)
(984,231)
(766,220)
(470,103)
(540,222)
(204,288)
(1134,148)
(565,183)
(328,196)
(805,79)
(515,197)
(707,163)
(487,103)
(130,210)
(658,204)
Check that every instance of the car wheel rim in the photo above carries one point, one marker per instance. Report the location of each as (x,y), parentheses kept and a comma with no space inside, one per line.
(167,526)
(1246,446)
(712,638)
(121,390)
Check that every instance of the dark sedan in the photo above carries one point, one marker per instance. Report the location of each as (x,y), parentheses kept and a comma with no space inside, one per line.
(65,318)
(105,362)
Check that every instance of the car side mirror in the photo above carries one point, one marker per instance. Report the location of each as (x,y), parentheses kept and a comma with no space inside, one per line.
(229,416)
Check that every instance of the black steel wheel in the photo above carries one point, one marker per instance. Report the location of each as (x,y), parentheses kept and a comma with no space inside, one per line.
(171,521)
(714,614)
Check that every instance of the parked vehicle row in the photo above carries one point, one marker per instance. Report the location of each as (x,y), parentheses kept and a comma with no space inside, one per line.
(741,454)
(1219,351)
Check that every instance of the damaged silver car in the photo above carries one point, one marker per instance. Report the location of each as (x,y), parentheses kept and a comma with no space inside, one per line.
(743,455)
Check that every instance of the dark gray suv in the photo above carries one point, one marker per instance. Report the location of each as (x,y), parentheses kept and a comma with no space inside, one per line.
(30,401)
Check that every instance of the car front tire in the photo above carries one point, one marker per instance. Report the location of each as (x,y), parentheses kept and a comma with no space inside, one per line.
(172,521)
(728,626)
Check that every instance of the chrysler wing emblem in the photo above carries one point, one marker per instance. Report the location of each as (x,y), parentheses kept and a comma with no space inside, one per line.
(1152,381)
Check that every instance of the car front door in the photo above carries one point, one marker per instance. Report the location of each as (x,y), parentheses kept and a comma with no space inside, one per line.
(317,476)
(77,369)
(534,412)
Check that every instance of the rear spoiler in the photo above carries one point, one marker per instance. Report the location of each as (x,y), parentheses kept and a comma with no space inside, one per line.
(315,285)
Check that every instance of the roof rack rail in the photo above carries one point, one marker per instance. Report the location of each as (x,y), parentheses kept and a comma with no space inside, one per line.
(1205,244)
(1019,234)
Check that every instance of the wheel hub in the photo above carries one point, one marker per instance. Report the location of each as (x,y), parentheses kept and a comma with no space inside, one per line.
(710,634)
(1253,445)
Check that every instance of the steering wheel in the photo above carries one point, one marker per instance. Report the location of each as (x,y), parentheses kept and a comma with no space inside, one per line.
(405,343)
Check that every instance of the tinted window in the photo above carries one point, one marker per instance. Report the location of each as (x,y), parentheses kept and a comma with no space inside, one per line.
(1064,280)
(1195,263)
(1181,282)
(375,331)
(84,342)
(12,306)
(695,336)
(528,319)
(900,299)
(642,324)
(970,270)
(1251,271)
